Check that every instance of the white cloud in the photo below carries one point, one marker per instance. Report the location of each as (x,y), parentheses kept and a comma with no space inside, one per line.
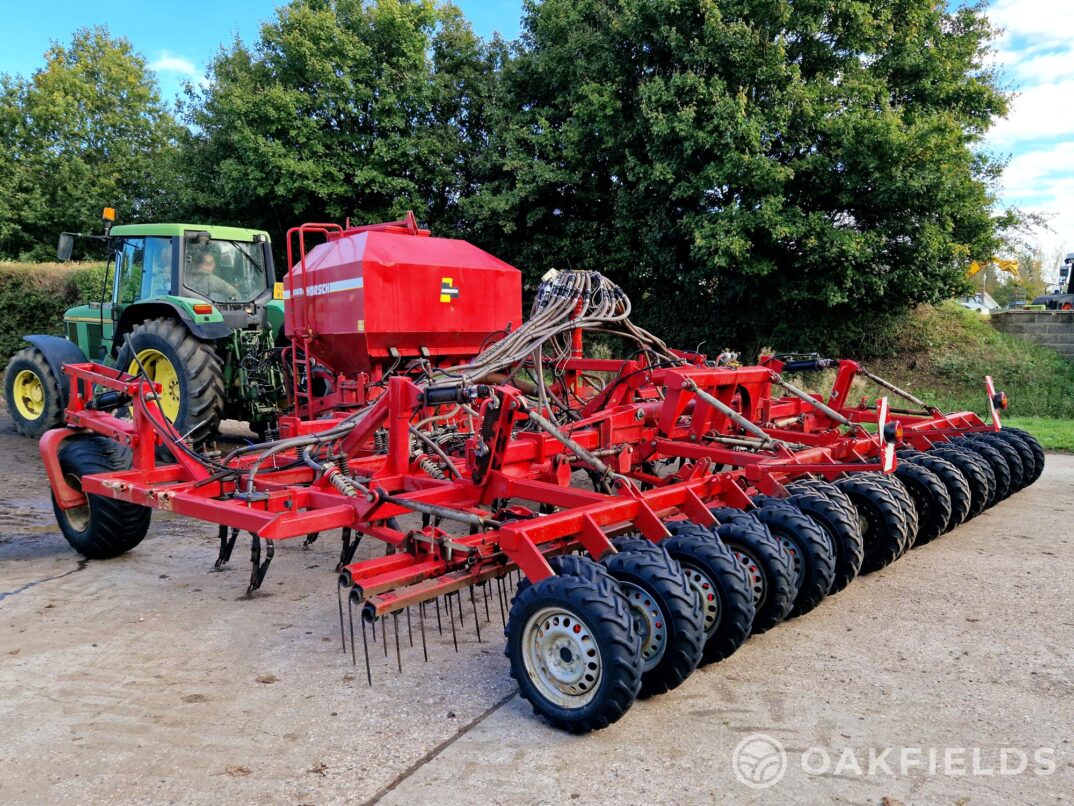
(1040,111)
(1036,19)
(167,63)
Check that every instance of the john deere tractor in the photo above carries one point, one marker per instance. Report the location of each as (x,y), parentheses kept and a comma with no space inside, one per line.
(195,307)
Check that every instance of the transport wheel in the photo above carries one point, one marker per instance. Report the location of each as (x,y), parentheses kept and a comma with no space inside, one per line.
(881,518)
(1025,453)
(810,550)
(721,586)
(1034,446)
(187,368)
(827,489)
(32,393)
(958,488)
(769,567)
(667,616)
(103,527)
(1010,455)
(902,495)
(842,530)
(574,652)
(932,502)
(995,460)
(973,468)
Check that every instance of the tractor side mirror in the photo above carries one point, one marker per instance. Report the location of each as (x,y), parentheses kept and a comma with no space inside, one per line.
(65,246)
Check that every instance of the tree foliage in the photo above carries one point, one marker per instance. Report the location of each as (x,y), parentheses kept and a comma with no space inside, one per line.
(86,130)
(343,108)
(749,170)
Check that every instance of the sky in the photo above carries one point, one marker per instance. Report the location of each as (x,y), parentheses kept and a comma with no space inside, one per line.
(1035,54)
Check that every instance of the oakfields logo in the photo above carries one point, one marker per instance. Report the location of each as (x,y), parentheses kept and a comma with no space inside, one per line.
(760,761)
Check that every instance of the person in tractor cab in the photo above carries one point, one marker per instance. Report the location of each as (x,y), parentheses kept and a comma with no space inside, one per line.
(205,279)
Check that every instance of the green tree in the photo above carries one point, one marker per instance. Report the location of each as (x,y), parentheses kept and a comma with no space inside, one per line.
(342,108)
(85,131)
(749,170)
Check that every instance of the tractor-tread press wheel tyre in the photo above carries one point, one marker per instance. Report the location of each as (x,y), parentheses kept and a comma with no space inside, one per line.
(881,518)
(1000,469)
(902,495)
(842,529)
(722,585)
(809,547)
(574,652)
(572,565)
(1010,455)
(32,393)
(972,467)
(828,490)
(188,369)
(931,500)
(103,527)
(768,565)
(1025,453)
(958,488)
(667,616)
(1034,445)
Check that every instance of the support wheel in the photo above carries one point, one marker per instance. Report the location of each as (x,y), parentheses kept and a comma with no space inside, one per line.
(721,585)
(958,489)
(32,393)
(103,527)
(188,370)
(881,519)
(931,500)
(1035,448)
(667,616)
(1010,455)
(810,550)
(574,652)
(996,461)
(769,567)
(976,472)
(841,528)
(899,492)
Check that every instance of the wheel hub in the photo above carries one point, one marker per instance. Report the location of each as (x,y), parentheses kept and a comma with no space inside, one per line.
(796,557)
(757,581)
(160,370)
(649,622)
(561,657)
(706,594)
(29,394)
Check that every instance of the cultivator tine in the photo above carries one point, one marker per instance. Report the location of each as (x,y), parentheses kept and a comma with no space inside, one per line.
(259,569)
(346,554)
(421,622)
(477,622)
(311,538)
(226,546)
(398,656)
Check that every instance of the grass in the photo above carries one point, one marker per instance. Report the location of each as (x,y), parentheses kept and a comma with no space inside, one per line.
(1054,434)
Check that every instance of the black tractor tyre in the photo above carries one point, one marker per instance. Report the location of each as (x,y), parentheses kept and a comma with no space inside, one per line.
(666,613)
(902,495)
(1025,453)
(605,639)
(931,500)
(200,374)
(32,393)
(1012,457)
(1034,446)
(809,547)
(104,527)
(973,468)
(958,488)
(1000,469)
(722,586)
(769,567)
(572,565)
(882,520)
(842,530)
(827,489)
(637,542)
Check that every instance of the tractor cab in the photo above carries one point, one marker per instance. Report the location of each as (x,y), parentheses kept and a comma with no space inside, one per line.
(1062,298)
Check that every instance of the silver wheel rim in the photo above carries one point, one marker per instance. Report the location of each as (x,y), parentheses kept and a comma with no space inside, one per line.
(561,657)
(649,622)
(77,517)
(796,557)
(753,570)
(708,600)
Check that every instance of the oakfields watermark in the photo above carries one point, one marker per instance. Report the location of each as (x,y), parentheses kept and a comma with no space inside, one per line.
(761,761)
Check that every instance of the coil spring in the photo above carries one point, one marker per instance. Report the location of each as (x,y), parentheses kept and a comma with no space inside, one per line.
(431,467)
(380,441)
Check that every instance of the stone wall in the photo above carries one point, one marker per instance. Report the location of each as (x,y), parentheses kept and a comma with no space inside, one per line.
(1051,328)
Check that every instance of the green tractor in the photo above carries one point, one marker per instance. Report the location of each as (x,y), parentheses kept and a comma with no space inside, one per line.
(197,308)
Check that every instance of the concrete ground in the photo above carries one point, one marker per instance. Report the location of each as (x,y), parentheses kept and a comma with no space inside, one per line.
(149,678)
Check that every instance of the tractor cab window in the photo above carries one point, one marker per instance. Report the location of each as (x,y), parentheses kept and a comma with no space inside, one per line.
(225,271)
(130,260)
(159,265)
(143,269)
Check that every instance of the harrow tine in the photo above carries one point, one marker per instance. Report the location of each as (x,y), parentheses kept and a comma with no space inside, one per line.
(477,623)
(451,618)
(342,636)
(485,593)
(374,626)
(500,596)
(350,617)
(398,657)
(409,629)
(439,624)
(458,596)
(365,647)
(384,638)
(421,620)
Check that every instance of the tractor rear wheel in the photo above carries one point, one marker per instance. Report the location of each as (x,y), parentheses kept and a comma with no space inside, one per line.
(768,565)
(187,368)
(32,393)
(103,527)
(574,652)
(666,614)
(721,585)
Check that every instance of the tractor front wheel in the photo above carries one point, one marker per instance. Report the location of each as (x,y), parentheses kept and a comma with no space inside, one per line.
(189,372)
(32,393)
